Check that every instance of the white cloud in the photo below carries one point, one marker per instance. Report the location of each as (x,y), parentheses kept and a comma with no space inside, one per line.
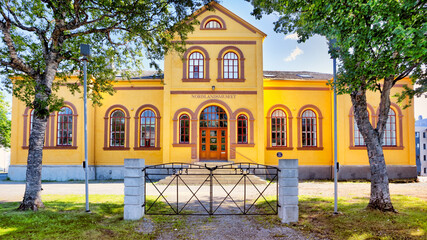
(292,36)
(297,51)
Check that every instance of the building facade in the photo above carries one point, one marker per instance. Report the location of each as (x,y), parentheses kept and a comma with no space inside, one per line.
(215,103)
(421,145)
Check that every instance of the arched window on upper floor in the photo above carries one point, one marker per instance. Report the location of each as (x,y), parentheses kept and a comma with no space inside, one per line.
(213,24)
(231,66)
(196,66)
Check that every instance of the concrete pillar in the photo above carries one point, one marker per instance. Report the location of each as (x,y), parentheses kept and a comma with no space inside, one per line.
(134,189)
(288,190)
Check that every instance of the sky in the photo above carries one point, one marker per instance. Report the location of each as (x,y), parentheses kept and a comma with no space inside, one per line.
(284,53)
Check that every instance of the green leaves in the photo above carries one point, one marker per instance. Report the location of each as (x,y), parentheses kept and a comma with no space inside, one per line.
(5,124)
(47,34)
(376,38)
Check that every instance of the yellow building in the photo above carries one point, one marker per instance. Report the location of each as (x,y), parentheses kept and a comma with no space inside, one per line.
(215,103)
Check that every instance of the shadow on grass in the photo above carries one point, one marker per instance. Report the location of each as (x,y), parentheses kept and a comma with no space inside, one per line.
(356,222)
(64,217)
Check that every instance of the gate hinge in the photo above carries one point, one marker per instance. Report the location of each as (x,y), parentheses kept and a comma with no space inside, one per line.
(278,205)
(143,205)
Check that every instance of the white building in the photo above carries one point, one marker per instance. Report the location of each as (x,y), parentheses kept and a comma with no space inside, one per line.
(421,144)
(4,159)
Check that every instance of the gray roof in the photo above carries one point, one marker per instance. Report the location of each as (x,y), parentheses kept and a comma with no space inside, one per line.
(421,122)
(144,75)
(297,75)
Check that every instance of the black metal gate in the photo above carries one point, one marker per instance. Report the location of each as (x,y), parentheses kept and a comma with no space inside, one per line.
(192,189)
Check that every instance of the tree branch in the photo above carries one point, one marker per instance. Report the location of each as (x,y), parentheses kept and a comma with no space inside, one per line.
(15,61)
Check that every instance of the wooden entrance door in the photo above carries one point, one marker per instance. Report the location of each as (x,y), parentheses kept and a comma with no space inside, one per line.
(213,143)
(213,134)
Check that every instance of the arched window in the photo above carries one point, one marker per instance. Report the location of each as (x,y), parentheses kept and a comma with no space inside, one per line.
(195,65)
(231,66)
(309,129)
(213,24)
(117,129)
(147,129)
(358,138)
(242,129)
(278,128)
(390,129)
(31,120)
(65,127)
(184,129)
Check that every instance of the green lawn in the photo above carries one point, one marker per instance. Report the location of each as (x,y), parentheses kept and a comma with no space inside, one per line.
(354,221)
(64,218)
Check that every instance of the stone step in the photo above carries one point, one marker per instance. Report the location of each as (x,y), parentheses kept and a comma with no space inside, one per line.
(223,179)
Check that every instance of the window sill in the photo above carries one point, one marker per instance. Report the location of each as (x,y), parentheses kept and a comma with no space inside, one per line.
(280,148)
(310,148)
(146,148)
(54,147)
(231,80)
(213,28)
(61,147)
(243,145)
(116,148)
(183,145)
(196,80)
(384,148)
(393,148)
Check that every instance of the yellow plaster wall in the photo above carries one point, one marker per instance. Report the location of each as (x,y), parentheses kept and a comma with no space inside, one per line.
(132,100)
(295,95)
(393,156)
(292,93)
(55,156)
(250,44)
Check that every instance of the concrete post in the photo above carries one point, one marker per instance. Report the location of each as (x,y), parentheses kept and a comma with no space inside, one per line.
(288,190)
(134,189)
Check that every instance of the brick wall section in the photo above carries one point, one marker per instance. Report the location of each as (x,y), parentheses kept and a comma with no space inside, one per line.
(134,189)
(288,190)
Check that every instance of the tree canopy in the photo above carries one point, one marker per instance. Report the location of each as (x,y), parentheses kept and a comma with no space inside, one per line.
(375,39)
(40,51)
(43,35)
(378,43)
(5,124)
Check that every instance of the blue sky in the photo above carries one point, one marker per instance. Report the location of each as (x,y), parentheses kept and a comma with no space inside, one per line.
(283,52)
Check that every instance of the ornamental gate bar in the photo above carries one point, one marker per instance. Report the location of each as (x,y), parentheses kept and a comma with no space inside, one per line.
(195,189)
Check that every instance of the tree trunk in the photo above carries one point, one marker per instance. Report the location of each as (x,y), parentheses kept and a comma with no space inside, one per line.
(32,199)
(380,194)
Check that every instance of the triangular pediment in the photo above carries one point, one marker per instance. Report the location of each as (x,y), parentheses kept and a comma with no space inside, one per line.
(213,9)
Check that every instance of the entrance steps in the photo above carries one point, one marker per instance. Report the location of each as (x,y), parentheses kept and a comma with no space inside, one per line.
(223,176)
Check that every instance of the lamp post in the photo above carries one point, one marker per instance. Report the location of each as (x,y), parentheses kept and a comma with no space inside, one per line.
(331,47)
(85,51)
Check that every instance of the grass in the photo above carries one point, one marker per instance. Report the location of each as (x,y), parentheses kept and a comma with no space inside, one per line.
(356,222)
(64,218)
